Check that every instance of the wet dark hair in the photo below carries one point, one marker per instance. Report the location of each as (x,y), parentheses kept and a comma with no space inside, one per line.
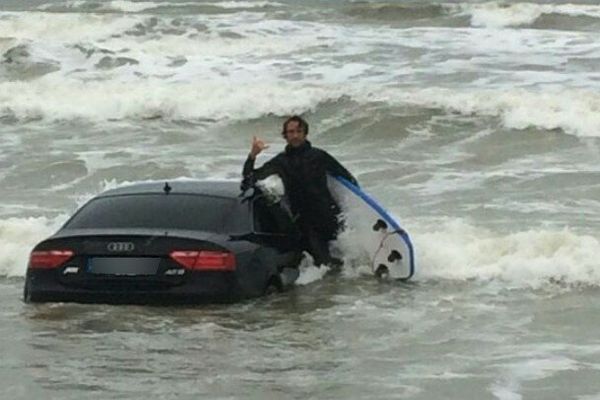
(301,123)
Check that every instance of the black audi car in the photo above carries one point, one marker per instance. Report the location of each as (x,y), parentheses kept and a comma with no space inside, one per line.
(163,243)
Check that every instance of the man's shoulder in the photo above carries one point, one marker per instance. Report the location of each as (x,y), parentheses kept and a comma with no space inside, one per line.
(321,153)
(318,150)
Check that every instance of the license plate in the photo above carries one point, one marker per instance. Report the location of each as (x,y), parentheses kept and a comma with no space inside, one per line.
(129,266)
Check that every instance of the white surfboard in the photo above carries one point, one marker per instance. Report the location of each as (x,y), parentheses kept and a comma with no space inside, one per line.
(387,245)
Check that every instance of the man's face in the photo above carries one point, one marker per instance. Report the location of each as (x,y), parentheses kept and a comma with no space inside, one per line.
(294,134)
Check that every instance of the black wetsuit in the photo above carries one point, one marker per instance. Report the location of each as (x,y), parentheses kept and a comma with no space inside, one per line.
(303,171)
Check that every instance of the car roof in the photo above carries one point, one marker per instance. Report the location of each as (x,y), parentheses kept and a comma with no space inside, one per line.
(220,188)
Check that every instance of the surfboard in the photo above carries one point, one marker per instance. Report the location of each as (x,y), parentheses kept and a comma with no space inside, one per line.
(385,242)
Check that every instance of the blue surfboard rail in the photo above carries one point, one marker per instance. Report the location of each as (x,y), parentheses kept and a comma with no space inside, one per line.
(384,214)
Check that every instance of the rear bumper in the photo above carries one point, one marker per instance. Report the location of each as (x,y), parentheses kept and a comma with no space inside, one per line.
(197,288)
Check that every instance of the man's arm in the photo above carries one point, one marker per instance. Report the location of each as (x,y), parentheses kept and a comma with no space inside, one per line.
(251,175)
(335,168)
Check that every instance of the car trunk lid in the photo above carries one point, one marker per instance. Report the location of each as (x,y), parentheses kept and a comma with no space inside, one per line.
(134,259)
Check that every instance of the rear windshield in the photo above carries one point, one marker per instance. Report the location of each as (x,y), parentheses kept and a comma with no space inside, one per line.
(160,211)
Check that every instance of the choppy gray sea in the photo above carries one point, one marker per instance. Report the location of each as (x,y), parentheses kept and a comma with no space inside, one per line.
(476,123)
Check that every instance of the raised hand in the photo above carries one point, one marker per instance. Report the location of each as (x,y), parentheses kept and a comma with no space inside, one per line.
(257,146)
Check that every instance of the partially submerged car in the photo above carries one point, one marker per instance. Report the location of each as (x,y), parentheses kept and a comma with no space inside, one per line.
(163,243)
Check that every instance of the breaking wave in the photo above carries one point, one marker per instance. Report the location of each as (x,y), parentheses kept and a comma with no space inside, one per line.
(17,238)
(125,6)
(525,259)
(572,110)
(499,14)
(493,14)
(148,100)
(454,250)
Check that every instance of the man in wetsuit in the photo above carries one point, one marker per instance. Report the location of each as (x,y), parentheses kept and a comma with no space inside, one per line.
(303,170)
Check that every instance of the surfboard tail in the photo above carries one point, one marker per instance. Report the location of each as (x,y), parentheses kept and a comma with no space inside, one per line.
(388,245)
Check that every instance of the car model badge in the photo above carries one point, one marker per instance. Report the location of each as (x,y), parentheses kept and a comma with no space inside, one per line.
(120,246)
(70,270)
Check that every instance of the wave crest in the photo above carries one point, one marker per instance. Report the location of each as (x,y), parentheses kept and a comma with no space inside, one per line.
(533,258)
(17,238)
(100,101)
(574,111)
(500,15)
(119,6)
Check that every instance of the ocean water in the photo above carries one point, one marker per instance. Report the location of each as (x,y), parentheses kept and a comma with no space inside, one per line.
(476,123)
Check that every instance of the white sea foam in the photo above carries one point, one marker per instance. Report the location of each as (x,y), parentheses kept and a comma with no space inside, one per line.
(140,6)
(219,77)
(17,238)
(457,250)
(500,14)
(115,5)
(69,28)
(118,5)
(523,259)
(310,273)
(246,4)
(49,99)
(533,367)
(575,111)
(60,98)
(494,15)
(130,6)
(149,38)
(572,110)
(454,250)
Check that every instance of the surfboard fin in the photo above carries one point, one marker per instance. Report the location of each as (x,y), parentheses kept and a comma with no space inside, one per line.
(394,256)
(382,271)
(380,225)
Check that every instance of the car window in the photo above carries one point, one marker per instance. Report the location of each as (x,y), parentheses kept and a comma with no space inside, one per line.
(271,217)
(160,211)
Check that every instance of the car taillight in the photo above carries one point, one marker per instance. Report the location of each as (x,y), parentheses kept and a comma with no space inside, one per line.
(47,259)
(204,260)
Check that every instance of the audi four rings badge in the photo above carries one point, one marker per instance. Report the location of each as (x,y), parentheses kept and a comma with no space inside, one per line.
(120,246)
